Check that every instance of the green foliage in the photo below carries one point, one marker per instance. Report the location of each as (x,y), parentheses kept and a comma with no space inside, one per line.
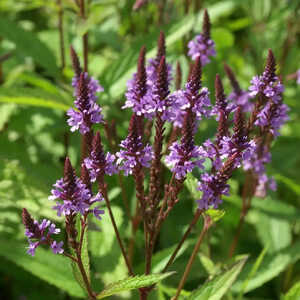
(272,266)
(216,288)
(293,293)
(131,283)
(28,44)
(54,269)
(35,94)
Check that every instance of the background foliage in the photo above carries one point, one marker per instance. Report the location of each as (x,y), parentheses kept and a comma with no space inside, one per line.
(35,93)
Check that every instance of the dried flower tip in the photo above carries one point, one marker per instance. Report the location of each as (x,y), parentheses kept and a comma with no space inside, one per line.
(206,25)
(162,83)
(134,128)
(161,46)
(27,220)
(85,176)
(69,173)
(270,68)
(219,92)
(239,122)
(195,77)
(188,131)
(178,78)
(141,74)
(234,83)
(83,91)
(222,126)
(75,62)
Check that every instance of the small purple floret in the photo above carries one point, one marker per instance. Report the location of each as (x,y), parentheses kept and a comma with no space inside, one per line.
(134,154)
(202,47)
(183,161)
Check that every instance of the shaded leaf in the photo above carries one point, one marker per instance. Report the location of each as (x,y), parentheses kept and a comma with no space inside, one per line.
(54,269)
(131,283)
(271,267)
(216,288)
(27,44)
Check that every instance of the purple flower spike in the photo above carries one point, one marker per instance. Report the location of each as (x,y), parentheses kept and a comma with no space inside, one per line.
(185,156)
(222,104)
(193,97)
(202,46)
(39,233)
(98,163)
(267,84)
(137,87)
(88,111)
(134,154)
(212,189)
(153,63)
(76,197)
(183,161)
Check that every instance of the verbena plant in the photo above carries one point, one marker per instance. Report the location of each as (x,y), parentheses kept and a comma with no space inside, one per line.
(161,156)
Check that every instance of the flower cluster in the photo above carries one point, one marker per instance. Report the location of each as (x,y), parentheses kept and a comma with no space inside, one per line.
(88,111)
(98,162)
(134,154)
(40,233)
(193,97)
(75,197)
(202,46)
(141,95)
(226,155)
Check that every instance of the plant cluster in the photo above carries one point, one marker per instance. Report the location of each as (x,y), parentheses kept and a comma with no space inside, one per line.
(160,153)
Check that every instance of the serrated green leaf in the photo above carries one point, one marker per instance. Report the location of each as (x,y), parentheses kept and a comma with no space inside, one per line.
(27,44)
(131,283)
(293,293)
(216,288)
(272,265)
(54,269)
(215,214)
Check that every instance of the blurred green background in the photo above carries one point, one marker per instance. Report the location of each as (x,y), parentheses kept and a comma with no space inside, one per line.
(35,93)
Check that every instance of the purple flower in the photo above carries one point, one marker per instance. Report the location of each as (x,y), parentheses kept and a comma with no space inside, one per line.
(98,163)
(39,233)
(151,71)
(75,196)
(201,47)
(212,188)
(133,155)
(98,212)
(88,111)
(272,117)
(242,99)
(183,160)
(57,247)
(181,100)
(256,163)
